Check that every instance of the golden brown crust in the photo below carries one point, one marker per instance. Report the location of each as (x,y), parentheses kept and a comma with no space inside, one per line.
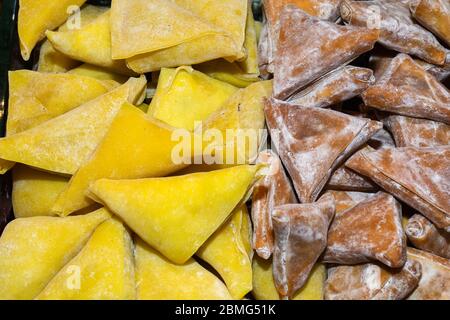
(413,132)
(418,176)
(406,88)
(305,40)
(371,230)
(300,238)
(271,191)
(390,18)
(313,142)
(425,236)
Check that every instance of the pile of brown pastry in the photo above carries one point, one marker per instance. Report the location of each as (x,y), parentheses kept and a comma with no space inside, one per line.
(367,150)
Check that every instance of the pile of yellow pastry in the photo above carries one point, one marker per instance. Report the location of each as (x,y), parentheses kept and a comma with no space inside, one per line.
(102,212)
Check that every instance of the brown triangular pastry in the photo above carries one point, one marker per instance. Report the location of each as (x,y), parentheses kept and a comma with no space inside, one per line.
(345,200)
(271,191)
(413,132)
(308,48)
(339,85)
(371,230)
(323,9)
(433,15)
(313,142)
(346,179)
(406,88)
(381,139)
(398,31)
(435,281)
(300,238)
(425,236)
(371,282)
(418,176)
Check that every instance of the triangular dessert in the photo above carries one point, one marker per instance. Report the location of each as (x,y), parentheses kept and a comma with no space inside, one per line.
(425,236)
(64,143)
(317,48)
(398,30)
(407,89)
(344,200)
(413,132)
(271,191)
(157,278)
(264,286)
(346,179)
(184,96)
(226,252)
(35,192)
(435,281)
(229,72)
(35,17)
(113,158)
(33,250)
(249,66)
(102,270)
(418,176)
(170,213)
(142,26)
(339,85)
(235,132)
(433,15)
(97,72)
(36,97)
(230,16)
(372,282)
(371,230)
(90,44)
(300,237)
(323,9)
(313,142)
(51,60)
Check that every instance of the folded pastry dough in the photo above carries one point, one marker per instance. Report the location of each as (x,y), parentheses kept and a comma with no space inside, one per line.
(105,268)
(407,89)
(370,230)
(339,85)
(157,278)
(174,214)
(184,96)
(417,176)
(64,143)
(346,179)
(271,191)
(412,132)
(348,199)
(372,282)
(143,26)
(264,286)
(435,281)
(51,60)
(33,250)
(313,142)
(34,192)
(113,158)
(309,48)
(398,31)
(36,97)
(250,64)
(35,17)
(425,236)
(229,252)
(433,15)
(227,16)
(300,238)
(90,44)
(96,72)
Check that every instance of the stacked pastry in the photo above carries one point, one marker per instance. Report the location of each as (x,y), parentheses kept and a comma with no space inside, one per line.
(127,183)
(364,149)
